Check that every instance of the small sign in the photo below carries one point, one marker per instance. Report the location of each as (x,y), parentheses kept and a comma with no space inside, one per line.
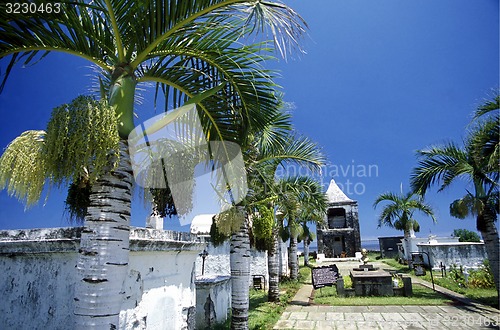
(324,276)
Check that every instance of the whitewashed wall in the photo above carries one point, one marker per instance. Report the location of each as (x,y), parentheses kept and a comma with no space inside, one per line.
(213,300)
(38,276)
(217,262)
(459,253)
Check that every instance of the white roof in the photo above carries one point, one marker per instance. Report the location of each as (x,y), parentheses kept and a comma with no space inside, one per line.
(201,224)
(335,195)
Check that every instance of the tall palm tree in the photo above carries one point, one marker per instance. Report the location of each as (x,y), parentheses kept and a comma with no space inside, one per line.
(275,145)
(186,48)
(442,165)
(278,148)
(301,199)
(398,214)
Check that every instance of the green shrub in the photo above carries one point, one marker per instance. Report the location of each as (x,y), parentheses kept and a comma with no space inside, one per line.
(457,275)
(347,282)
(482,277)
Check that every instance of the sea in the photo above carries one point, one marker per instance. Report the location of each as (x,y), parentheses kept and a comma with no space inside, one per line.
(370,245)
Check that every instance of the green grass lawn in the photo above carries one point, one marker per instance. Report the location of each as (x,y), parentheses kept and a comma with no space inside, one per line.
(421,296)
(485,296)
(262,314)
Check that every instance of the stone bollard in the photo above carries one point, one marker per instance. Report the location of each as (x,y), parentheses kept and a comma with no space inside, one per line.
(340,287)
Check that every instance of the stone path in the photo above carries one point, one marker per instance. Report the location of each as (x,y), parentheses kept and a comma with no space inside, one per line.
(385,318)
(464,315)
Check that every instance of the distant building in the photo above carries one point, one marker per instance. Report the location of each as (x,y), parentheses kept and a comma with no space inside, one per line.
(339,236)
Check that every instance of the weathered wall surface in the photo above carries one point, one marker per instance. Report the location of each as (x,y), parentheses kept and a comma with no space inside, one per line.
(38,277)
(217,262)
(213,300)
(160,291)
(460,253)
(37,287)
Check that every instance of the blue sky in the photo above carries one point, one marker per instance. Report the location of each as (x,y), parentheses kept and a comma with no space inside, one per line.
(380,80)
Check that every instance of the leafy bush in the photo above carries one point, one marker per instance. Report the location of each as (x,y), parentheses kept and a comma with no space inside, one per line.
(457,275)
(482,277)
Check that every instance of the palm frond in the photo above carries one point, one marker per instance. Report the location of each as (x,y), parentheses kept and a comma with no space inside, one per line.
(488,106)
(77,28)
(439,164)
(399,209)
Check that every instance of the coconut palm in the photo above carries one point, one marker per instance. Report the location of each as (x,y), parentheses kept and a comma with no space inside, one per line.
(186,48)
(442,165)
(398,214)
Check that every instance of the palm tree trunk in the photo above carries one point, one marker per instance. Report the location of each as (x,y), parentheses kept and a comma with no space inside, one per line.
(306,252)
(104,249)
(273,268)
(292,258)
(407,246)
(240,277)
(491,244)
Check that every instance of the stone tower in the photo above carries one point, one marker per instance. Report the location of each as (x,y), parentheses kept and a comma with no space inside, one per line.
(339,235)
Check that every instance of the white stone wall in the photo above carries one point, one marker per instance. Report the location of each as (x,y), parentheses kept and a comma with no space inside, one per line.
(213,300)
(258,266)
(37,291)
(160,290)
(38,278)
(217,262)
(460,253)
(283,260)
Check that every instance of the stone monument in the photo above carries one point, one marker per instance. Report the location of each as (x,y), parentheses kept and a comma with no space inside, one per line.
(339,235)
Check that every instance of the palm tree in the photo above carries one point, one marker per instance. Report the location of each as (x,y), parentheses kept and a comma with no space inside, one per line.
(186,48)
(301,199)
(276,145)
(398,214)
(275,194)
(307,236)
(265,150)
(486,139)
(442,165)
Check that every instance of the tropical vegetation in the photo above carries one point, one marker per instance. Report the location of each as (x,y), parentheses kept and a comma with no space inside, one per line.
(265,150)
(186,48)
(476,161)
(398,214)
(302,200)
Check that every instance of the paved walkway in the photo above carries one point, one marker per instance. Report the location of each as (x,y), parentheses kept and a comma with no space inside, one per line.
(463,315)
